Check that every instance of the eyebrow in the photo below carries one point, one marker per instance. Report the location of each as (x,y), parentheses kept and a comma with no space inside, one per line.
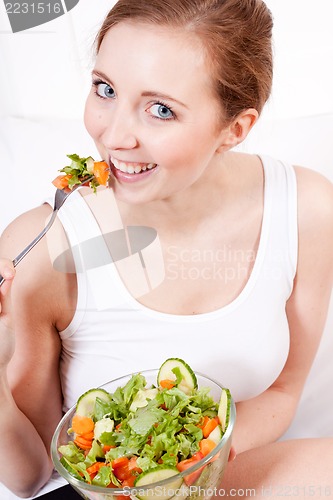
(157,95)
(147,93)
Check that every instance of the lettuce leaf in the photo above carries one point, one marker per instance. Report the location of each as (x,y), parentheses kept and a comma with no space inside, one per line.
(103,477)
(95,452)
(72,452)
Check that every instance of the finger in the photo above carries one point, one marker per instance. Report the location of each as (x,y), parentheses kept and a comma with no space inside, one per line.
(7,270)
(232,454)
(5,295)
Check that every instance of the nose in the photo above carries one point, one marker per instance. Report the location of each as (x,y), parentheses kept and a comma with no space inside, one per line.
(121,130)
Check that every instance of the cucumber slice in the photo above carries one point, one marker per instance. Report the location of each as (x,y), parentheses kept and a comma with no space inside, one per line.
(224,409)
(154,475)
(216,434)
(90,164)
(103,425)
(86,403)
(189,381)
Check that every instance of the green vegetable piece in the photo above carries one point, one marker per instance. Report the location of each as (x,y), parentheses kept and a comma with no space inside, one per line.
(86,403)
(173,369)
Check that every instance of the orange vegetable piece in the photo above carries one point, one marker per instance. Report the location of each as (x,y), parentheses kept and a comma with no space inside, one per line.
(208,427)
(167,384)
(101,172)
(129,482)
(61,182)
(120,462)
(122,473)
(89,436)
(84,444)
(108,447)
(204,421)
(95,467)
(133,466)
(185,464)
(206,446)
(82,425)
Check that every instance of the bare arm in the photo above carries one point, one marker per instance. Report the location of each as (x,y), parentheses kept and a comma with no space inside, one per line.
(30,393)
(265,418)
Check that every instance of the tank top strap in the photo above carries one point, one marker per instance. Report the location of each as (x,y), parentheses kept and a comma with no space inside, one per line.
(88,248)
(105,252)
(281,191)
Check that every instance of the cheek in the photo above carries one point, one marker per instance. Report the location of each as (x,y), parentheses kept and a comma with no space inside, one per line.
(174,143)
(92,119)
(190,150)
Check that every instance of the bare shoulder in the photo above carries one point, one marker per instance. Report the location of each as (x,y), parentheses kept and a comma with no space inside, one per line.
(22,230)
(315,220)
(312,184)
(36,278)
(315,203)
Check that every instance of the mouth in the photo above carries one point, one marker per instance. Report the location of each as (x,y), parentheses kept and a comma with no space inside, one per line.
(131,168)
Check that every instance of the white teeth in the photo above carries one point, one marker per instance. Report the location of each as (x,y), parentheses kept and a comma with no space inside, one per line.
(132,168)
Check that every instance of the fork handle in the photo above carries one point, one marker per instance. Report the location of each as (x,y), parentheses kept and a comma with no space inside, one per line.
(29,247)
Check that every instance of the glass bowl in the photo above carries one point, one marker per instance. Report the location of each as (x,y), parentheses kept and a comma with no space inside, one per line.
(208,471)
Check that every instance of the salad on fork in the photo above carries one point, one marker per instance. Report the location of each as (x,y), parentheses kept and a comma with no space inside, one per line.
(81,172)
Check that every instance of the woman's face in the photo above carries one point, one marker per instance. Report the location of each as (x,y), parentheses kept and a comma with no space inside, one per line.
(151,112)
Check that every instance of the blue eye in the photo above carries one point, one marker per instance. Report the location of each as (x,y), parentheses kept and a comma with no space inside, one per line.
(104,90)
(161,111)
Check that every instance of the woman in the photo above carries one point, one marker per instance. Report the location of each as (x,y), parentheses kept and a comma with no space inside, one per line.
(239,276)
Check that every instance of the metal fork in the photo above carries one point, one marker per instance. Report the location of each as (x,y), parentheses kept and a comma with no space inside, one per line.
(59,199)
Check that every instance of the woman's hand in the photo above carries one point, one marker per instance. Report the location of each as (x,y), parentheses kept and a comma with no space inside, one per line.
(232,454)
(7,340)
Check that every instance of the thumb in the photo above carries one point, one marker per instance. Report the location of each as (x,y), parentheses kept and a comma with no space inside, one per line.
(5,291)
(7,338)
(232,454)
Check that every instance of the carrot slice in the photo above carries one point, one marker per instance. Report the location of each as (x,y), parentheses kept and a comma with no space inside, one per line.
(208,427)
(206,446)
(61,182)
(167,384)
(203,422)
(95,467)
(101,172)
(88,435)
(108,447)
(84,444)
(82,424)
(120,462)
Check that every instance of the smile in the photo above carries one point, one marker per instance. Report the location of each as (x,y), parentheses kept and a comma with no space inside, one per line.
(132,168)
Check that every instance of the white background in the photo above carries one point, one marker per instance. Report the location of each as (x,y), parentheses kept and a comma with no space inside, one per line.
(44,82)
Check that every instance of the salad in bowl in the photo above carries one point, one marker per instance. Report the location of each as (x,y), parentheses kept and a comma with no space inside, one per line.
(158,433)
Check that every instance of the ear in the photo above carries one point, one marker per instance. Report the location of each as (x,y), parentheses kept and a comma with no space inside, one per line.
(238,130)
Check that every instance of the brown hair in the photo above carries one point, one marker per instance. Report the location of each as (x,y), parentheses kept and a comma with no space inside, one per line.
(237,35)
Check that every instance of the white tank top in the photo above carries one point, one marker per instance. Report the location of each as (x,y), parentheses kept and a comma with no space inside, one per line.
(244,345)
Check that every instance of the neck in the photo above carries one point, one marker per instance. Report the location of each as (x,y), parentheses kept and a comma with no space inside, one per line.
(188,209)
